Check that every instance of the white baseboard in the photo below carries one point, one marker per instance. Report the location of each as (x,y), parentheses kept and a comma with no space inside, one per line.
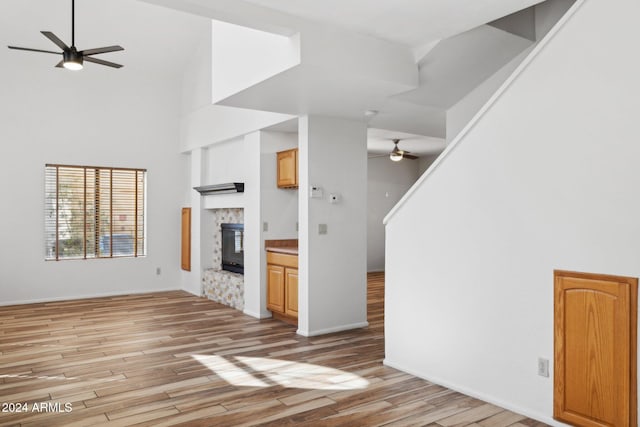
(89,296)
(332,330)
(256,314)
(469,392)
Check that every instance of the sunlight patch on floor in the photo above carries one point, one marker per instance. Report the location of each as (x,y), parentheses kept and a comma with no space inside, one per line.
(265,372)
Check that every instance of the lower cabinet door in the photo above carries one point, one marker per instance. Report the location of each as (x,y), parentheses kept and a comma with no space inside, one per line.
(275,288)
(291,284)
(595,350)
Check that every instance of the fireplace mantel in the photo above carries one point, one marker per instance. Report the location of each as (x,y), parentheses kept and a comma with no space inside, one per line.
(226,188)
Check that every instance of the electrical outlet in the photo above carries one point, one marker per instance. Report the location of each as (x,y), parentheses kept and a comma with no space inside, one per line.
(158,271)
(265,226)
(543,367)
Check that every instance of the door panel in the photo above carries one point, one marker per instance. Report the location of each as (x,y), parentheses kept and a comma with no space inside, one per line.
(287,168)
(291,281)
(275,288)
(594,381)
(185,261)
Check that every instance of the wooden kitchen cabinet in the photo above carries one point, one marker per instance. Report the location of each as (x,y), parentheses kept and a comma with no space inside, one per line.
(282,286)
(291,292)
(288,168)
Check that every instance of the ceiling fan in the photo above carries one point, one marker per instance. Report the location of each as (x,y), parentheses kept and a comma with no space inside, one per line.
(72,58)
(397,154)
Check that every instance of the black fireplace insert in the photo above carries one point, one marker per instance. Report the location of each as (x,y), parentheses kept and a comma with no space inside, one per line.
(233,247)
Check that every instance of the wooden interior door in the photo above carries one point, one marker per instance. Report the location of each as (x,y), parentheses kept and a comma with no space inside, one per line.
(275,288)
(291,291)
(186,239)
(595,349)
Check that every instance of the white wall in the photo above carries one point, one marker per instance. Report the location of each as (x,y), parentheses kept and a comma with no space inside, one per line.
(332,267)
(546,15)
(225,162)
(546,179)
(463,111)
(196,79)
(99,117)
(243,57)
(279,206)
(387,182)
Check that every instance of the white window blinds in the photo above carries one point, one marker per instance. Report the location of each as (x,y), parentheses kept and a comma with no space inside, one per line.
(94,212)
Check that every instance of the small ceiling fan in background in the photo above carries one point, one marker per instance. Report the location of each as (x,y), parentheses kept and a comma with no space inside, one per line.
(397,154)
(72,58)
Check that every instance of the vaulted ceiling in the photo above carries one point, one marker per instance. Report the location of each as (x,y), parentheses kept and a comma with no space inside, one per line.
(161,39)
(452,47)
(414,23)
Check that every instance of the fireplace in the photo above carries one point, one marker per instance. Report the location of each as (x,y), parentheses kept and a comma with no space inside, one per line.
(223,286)
(233,247)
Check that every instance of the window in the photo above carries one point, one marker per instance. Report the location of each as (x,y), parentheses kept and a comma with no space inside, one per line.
(94,212)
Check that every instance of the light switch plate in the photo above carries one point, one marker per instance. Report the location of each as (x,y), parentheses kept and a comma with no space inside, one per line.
(322,228)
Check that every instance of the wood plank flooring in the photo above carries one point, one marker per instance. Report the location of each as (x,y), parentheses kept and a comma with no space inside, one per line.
(171,358)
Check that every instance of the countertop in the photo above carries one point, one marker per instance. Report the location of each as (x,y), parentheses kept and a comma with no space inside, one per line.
(288,246)
(291,250)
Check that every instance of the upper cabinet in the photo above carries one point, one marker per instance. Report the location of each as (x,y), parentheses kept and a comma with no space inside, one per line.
(288,169)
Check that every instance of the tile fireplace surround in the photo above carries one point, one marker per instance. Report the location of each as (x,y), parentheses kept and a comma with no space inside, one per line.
(218,285)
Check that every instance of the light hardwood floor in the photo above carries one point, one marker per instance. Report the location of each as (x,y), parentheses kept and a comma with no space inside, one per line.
(171,358)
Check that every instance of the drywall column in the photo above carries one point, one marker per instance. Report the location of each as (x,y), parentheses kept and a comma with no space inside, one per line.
(191,279)
(255,293)
(332,266)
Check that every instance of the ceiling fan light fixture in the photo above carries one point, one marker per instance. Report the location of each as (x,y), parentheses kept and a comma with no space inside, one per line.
(396,156)
(73,65)
(72,60)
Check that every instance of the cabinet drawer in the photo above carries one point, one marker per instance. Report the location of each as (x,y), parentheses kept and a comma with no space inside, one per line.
(285,260)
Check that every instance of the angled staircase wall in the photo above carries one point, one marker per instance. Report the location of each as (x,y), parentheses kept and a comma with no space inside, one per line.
(544,177)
